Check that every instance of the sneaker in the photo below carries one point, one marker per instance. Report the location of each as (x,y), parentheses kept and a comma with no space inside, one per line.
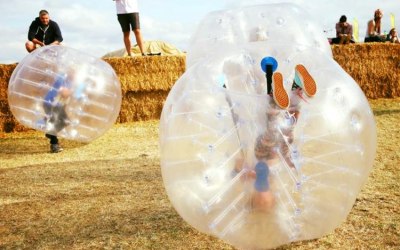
(304,80)
(279,93)
(55,148)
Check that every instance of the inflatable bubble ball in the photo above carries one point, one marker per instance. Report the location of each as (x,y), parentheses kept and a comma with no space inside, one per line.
(64,92)
(257,175)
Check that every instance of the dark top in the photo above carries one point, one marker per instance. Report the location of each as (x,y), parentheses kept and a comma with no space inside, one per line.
(46,34)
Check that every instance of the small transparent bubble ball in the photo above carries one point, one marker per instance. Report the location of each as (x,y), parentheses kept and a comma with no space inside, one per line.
(236,166)
(65,92)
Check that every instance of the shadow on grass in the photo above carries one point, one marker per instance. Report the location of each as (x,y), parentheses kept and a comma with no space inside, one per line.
(386,112)
(27,146)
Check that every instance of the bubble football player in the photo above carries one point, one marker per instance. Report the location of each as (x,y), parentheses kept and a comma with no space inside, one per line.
(54,108)
(43,31)
(276,141)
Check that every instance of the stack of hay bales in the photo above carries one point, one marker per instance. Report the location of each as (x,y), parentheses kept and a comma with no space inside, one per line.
(145,83)
(374,66)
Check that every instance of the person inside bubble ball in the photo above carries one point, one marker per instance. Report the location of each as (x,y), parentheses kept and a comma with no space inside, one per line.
(275,144)
(43,31)
(374,28)
(344,31)
(54,107)
(392,36)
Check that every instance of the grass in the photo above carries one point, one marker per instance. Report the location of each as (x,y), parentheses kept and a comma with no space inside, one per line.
(109,194)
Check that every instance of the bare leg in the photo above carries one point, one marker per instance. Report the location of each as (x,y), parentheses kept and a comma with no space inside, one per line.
(30,46)
(347,40)
(342,39)
(139,39)
(127,42)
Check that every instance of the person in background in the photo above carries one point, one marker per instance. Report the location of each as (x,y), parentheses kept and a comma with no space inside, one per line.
(392,36)
(128,17)
(43,31)
(344,32)
(374,28)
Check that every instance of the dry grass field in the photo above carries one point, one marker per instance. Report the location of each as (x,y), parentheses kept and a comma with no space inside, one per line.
(109,194)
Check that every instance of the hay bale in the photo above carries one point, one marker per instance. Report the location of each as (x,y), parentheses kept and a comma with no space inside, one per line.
(150,73)
(142,106)
(146,81)
(5,75)
(9,124)
(374,66)
(4,108)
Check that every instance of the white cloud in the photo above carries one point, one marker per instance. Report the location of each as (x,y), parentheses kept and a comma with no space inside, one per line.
(176,33)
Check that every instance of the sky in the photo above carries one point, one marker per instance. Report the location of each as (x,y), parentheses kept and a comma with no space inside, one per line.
(92,25)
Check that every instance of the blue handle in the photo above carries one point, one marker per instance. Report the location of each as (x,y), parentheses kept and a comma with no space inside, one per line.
(269,61)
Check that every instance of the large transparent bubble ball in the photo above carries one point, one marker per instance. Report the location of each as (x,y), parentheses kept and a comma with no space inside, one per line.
(64,92)
(264,24)
(237,167)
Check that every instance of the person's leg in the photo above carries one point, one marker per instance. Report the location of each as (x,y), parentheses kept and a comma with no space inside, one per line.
(124,21)
(30,46)
(139,39)
(54,146)
(347,39)
(53,139)
(60,118)
(280,95)
(127,42)
(335,40)
(304,80)
(135,24)
(286,144)
(342,39)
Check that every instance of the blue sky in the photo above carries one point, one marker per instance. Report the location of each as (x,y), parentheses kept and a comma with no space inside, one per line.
(91,25)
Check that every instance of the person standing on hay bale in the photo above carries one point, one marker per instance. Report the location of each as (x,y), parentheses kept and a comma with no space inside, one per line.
(392,36)
(128,17)
(43,31)
(374,28)
(344,32)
